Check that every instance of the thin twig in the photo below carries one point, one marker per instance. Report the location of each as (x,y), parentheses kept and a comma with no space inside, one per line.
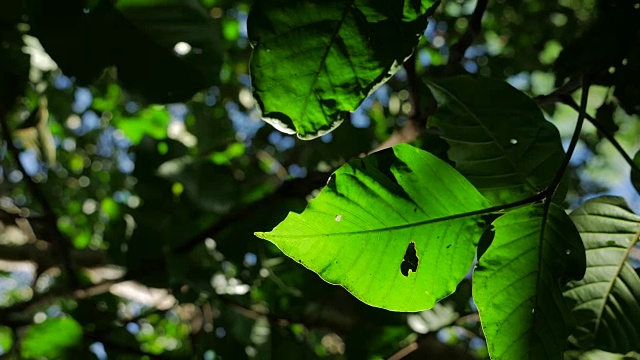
(586,83)
(413,86)
(559,94)
(458,49)
(49,216)
(609,136)
(420,112)
(290,188)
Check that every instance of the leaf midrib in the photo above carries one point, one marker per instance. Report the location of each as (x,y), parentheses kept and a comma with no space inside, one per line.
(323,60)
(543,225)
(390,228)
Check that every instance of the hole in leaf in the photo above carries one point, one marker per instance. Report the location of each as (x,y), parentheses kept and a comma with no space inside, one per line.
(338,217)
(410,260)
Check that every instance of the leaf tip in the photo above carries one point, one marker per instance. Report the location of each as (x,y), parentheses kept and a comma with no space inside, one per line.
(262,235)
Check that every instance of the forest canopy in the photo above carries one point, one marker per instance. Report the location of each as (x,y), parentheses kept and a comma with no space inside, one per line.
(306,179)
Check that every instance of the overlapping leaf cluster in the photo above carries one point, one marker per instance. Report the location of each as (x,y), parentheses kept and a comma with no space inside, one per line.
(404,206)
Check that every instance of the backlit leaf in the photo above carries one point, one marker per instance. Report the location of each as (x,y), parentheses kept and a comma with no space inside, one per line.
(499,138)
(51,339)
(314,61)
(392,228)
(516,285)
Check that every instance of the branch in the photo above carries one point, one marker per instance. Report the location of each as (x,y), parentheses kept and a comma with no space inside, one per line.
(49,216)
(427,346)
(586,83)
(560,94)
(609,136)
(43,255)
(420,111)
(458,49)
(290,188)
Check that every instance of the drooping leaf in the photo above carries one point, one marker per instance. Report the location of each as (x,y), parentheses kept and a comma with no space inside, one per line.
(314,61)
(51,339)
(606,302)
(516,285)
(499,138)
(391,228)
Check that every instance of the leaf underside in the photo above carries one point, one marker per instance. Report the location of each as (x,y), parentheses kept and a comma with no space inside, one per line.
(380,229)
(498,137)
(516,285)
(606,303)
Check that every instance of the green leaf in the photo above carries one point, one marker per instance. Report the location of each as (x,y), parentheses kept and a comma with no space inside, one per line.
(314,61)
(394,228)
(607,301)
(516,285)
(51,339)
(152,121)
(499,138)
(6,339)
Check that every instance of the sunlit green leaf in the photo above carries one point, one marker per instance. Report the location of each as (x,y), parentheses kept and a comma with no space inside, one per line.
(516,285)
(51,339)
(152,121)
(606,303)
(314,61)
(499,138)
(391,228)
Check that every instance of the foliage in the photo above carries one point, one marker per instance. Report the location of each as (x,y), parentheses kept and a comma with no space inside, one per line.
(429,162)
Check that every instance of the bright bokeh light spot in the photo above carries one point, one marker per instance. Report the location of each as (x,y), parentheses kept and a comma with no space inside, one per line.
(89,206)
(182,48)
(438,41)
(73,122)
(246,99)
(29,161)
(97,348)
(250,259)
(39,317)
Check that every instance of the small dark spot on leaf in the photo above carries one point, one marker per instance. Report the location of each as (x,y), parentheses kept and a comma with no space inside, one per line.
(415,209)
(410,260)
(448,246)
(300,261)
